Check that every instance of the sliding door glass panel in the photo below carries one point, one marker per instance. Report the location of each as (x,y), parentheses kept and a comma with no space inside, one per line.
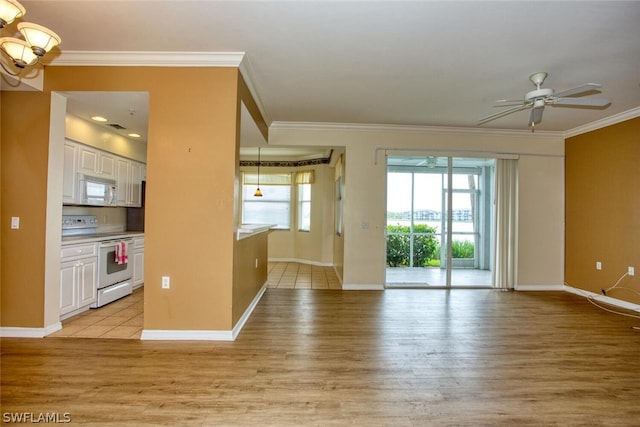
(418,252)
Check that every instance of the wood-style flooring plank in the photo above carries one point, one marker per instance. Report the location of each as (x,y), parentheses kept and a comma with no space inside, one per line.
(332,358)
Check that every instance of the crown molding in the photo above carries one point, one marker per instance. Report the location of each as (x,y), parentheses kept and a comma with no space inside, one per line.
(164,59)
(321,126)
(608,121)
(149,59)
(247,72)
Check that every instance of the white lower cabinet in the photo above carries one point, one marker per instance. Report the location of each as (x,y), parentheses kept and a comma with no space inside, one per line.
(138,262)
(78,278)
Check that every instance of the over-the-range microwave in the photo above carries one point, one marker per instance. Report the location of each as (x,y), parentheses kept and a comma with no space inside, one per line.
(96,191)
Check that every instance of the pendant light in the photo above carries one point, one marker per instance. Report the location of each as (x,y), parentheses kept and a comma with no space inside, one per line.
(38,40)
(258,193)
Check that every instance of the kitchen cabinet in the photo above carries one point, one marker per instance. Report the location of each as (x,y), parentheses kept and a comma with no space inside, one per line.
(92,161)
(129,176)
(80,158)
(69,181)
(138,262)
(134,189)
(78,278)
(123,167)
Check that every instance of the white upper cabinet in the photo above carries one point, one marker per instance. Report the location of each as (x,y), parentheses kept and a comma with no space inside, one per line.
(128,174)
(136,176)
(123,167)
(92,161)
(69,181)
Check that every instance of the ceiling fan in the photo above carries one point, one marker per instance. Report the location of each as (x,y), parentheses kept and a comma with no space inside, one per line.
(538,98)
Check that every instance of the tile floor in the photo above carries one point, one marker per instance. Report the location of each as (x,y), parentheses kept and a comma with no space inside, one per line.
(120,319)
(292,275)
(124,318)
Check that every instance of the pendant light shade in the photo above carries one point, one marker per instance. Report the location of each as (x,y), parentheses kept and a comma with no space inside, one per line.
(10,10)
(38,40)
(19,50)
(258,192)
(41,39)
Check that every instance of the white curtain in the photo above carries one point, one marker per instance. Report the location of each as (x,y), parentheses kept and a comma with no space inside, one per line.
(506,225)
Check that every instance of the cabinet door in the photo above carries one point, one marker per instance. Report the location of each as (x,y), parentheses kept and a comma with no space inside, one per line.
(135,184)
(69,181)
(88,160)
(87,277)
(68,287)
(107,165)
(122,179)
(138,268)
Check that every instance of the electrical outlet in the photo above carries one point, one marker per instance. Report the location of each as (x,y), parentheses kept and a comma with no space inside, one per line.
(166,282)
(631,271)
(598,265)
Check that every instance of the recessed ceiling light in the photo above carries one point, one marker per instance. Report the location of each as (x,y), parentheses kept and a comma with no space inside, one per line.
(99,119)
(135,135)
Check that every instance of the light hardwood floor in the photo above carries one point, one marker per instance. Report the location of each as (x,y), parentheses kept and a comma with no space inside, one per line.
(366,358)
(124,318)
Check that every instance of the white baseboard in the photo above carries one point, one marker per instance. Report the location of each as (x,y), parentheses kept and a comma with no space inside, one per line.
(205,335)
(185,335)
(247,313)
(539,288)
(17,332)
(361,287)
(302,261)
(604,299)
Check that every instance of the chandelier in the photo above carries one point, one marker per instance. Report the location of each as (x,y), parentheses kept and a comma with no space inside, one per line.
(38,40)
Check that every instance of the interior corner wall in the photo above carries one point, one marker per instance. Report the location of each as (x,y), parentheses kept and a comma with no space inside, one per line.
(191,170)
(603,209)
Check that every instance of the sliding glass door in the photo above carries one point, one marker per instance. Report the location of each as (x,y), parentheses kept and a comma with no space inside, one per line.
(439,221)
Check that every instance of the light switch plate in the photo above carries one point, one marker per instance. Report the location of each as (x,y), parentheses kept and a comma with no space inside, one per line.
(15,222)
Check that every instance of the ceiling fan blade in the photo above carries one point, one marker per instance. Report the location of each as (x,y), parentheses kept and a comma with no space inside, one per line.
(577,90)
(504,113)
(508,102)
(536,116)
(582,102)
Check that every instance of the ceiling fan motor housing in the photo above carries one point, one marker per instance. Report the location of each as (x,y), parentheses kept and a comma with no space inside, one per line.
(538,94)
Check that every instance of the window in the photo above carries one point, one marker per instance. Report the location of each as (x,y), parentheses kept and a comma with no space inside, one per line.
(274,207)
(304,207)
(304,179)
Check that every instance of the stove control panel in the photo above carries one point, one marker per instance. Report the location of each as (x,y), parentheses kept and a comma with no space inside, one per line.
(79,221)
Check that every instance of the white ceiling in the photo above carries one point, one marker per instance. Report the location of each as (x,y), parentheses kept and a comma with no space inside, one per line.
(422,63)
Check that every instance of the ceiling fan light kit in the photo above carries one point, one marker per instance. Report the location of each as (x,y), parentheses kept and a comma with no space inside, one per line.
(38,40)
(538,98)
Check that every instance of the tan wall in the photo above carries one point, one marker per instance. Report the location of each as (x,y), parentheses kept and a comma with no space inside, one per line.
(25,135)
(541,192)
(248,278)
(191,174)
(603,209)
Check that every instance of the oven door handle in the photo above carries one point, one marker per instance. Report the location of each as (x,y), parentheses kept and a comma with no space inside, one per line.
(114,243)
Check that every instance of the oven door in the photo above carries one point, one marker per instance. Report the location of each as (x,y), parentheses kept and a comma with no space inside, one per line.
(110,270)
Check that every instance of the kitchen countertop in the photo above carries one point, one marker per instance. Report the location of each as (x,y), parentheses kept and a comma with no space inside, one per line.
(248,230)
(99,237)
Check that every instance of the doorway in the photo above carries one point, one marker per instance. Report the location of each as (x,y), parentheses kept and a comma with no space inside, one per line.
(439,221)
